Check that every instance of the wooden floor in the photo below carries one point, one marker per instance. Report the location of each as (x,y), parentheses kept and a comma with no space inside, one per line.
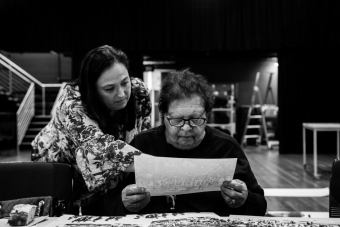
(272,170)
(275,170)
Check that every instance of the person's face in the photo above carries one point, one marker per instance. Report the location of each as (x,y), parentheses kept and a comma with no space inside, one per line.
(185,137)
(114,87)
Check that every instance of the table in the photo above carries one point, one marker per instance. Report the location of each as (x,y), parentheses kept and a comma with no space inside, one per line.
(317,127)
(144,221)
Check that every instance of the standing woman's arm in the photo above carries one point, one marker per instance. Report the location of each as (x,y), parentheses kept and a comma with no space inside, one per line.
(101,158)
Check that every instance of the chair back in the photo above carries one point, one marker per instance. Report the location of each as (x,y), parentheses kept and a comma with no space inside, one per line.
(36,179)
(334,190)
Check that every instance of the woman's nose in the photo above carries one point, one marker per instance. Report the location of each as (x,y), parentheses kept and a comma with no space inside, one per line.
(120,92)
(186,126)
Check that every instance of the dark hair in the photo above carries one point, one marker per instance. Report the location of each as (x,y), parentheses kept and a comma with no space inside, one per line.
(183,84)
(93,65)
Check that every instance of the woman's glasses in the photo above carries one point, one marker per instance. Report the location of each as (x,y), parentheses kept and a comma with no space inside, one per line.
(179,122)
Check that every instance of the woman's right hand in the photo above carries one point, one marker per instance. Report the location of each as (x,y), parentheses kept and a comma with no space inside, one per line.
(135,198)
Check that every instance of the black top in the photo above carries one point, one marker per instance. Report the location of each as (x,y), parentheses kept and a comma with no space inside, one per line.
(215,144)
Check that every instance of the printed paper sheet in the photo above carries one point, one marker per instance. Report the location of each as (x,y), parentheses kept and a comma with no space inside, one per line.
(173,176)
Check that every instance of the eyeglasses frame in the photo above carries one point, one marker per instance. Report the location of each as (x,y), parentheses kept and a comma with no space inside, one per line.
(185,120)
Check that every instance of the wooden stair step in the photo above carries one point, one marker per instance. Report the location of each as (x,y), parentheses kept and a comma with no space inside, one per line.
(40,123)
(34,130)
(29,136)
(26,143)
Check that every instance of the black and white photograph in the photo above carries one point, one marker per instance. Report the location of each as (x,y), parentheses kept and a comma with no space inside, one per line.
(130,110)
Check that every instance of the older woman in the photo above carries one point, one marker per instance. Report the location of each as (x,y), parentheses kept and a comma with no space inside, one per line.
(185,101)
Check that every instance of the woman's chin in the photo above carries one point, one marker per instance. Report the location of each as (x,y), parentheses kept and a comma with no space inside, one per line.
(119,106)
(185,146)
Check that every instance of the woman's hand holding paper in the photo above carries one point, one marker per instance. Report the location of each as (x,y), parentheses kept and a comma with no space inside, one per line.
(135,198)
(234,192)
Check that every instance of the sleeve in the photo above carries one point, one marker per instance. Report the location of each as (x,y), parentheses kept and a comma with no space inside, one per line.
(256,204)
(100,158)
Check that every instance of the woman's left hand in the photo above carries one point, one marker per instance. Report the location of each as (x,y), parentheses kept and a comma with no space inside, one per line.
(234,192)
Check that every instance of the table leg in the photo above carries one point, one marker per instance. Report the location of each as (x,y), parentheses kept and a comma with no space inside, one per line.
(315,153)
(338,144)
(304,146)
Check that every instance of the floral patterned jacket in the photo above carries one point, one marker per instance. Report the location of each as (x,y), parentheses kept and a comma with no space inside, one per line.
(73,137)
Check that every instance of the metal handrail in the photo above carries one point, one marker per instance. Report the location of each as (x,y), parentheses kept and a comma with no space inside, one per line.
(25,113)
(28,78)
(17,77)
(11,69)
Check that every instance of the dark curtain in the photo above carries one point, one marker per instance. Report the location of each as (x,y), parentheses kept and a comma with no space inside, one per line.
(305,34)
(168,25)
(308,92)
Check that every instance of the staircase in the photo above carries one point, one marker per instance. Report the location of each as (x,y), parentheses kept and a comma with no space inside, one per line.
(39,121)
(36,101)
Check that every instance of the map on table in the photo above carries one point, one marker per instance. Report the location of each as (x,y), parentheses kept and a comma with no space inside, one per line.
(134,220)
(229,222)
(205,219)
(173,176)
(210,221)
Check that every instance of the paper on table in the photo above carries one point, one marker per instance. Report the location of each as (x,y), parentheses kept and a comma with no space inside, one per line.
(173,176)
(143,220)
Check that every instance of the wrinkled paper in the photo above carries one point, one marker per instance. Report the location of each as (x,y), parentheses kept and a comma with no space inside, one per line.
(174,176)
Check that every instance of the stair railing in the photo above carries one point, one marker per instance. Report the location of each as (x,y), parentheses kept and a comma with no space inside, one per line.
(32,79)
(25,114)
(18,80)
(17,83)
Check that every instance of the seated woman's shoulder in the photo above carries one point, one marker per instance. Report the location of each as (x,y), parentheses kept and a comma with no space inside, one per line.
(223,134)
